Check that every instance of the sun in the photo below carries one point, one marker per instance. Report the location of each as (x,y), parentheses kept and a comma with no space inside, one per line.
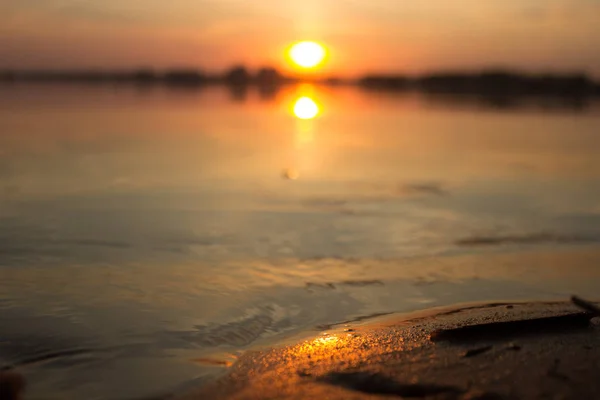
(307,54)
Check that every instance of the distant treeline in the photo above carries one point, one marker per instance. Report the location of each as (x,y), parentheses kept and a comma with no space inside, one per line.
(500,83)
(179,77)
(488,83)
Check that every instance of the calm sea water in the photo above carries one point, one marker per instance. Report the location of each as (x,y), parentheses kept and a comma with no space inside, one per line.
(146,232)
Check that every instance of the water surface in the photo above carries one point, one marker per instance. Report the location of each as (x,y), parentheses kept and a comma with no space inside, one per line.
(145,232)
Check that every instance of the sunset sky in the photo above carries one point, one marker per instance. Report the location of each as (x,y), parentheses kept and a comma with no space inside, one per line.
(361,35)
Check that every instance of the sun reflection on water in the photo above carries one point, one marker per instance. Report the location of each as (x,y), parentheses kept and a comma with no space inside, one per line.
(306,108)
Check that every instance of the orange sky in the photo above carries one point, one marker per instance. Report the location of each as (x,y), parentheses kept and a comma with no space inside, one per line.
(362,35)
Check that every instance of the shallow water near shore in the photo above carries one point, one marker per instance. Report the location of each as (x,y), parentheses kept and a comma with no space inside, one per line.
(149,236)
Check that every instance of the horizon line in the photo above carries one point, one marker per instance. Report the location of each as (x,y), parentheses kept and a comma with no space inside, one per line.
(487,82)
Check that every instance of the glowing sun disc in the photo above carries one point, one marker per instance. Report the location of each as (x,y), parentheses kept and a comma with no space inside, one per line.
(306,108)
(307,54)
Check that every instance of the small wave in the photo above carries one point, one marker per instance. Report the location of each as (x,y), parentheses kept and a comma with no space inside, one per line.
(334,285)
(49,356)
(532,238)
(241,332)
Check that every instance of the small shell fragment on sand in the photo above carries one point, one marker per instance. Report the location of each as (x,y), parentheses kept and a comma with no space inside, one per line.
(477,351)
(586,305)
(513,328)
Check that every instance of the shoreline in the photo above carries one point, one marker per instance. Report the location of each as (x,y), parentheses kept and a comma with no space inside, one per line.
(473,350)
(395,355)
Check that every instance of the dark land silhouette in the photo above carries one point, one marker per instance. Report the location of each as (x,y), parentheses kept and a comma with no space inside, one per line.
(492,81)
(238,75)
(491,88)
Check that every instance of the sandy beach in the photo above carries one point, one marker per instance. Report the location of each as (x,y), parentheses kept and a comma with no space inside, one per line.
(494,351)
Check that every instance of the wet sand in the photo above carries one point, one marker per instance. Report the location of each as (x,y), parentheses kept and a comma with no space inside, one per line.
(493,351)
